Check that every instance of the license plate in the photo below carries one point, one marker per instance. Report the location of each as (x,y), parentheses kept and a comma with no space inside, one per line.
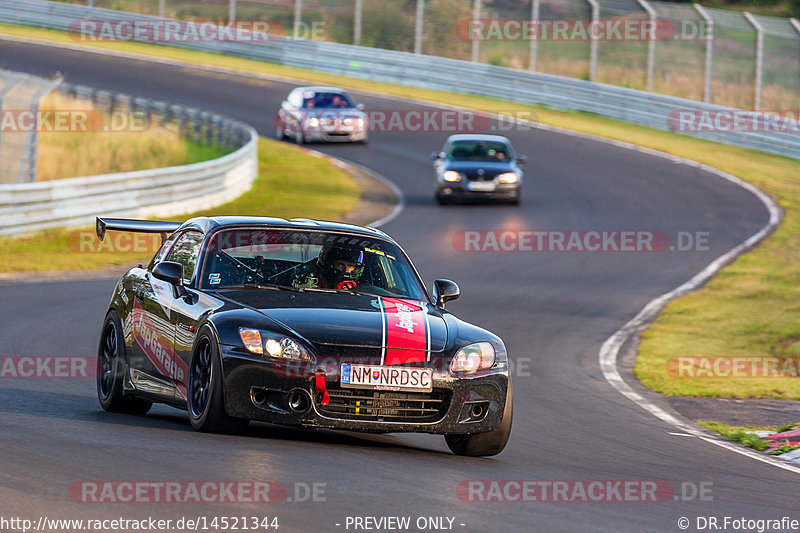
(484,186)
(391,378)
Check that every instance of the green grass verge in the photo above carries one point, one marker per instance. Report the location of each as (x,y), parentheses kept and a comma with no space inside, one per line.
(750,309)
(744,435)
(291,183)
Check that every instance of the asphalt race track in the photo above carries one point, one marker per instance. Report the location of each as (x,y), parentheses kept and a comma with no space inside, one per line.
(554,310)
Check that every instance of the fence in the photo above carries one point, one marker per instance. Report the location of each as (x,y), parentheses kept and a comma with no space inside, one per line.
(717,56)
(20,93)
(160,192)
(426,71)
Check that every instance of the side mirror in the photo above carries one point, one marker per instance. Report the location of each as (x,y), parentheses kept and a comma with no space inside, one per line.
(170,272)
(522,159)
(438,155)
(285,105)
(445,290)
(360,107)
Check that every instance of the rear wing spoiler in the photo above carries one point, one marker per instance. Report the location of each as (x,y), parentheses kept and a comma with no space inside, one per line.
(137,226)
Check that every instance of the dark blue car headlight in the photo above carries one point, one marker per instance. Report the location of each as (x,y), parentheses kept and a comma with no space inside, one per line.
(269,344)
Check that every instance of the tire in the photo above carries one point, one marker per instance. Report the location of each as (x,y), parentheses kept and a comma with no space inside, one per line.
(280,134)
(111,371)
(441,200)
(206,401)
(486,444)
(300,138)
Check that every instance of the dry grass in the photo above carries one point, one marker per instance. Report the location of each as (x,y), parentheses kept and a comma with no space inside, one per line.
(137,146)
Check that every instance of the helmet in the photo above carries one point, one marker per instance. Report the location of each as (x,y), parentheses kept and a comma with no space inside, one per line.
(340,268)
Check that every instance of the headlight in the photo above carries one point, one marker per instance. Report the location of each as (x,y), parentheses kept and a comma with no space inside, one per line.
(508,177)
(313,122)
(473,357)
(451,176)
(271,344)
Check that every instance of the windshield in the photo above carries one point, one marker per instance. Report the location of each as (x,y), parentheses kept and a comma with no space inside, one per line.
(326,100)
(308,260)
(479,151)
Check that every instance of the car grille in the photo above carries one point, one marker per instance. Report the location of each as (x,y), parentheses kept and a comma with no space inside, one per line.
(472,175)
(383,406)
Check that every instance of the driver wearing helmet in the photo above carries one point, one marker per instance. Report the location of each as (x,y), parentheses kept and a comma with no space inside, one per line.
(340,268)
(336,268)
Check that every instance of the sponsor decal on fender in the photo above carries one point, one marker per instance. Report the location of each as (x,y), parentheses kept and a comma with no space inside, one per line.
(406,331)
(158,349)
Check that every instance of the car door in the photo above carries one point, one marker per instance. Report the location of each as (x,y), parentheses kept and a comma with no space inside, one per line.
(151,345)
(186,251)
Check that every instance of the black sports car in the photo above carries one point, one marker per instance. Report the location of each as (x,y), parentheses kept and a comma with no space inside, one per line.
(300,322)
(478,167)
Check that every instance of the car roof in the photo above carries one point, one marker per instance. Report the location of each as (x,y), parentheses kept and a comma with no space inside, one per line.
(323,89)
(477,137)
(207,224)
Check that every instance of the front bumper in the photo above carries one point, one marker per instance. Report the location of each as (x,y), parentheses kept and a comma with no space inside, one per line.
(335,136)
(459,190)
(484,395)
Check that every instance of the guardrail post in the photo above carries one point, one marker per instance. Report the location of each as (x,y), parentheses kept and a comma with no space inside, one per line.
(759,57)
(298,17)
(162,8)
(418,22)
(533,46)
(709,65)
(357,22)
(231,10)
(593,42)
(651,43)
(32,138)
(476,43)
(5,90)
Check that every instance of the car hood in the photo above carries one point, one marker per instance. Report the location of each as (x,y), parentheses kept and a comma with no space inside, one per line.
(341,319)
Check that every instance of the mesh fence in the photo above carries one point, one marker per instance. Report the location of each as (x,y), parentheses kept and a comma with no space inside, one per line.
(781,78)
(676,61)
(19,98)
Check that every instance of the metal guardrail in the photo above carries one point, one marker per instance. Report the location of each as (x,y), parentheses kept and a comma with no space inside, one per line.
(429,72)
(161,192)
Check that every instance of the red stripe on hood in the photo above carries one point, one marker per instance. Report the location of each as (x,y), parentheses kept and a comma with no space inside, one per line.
(406,333)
